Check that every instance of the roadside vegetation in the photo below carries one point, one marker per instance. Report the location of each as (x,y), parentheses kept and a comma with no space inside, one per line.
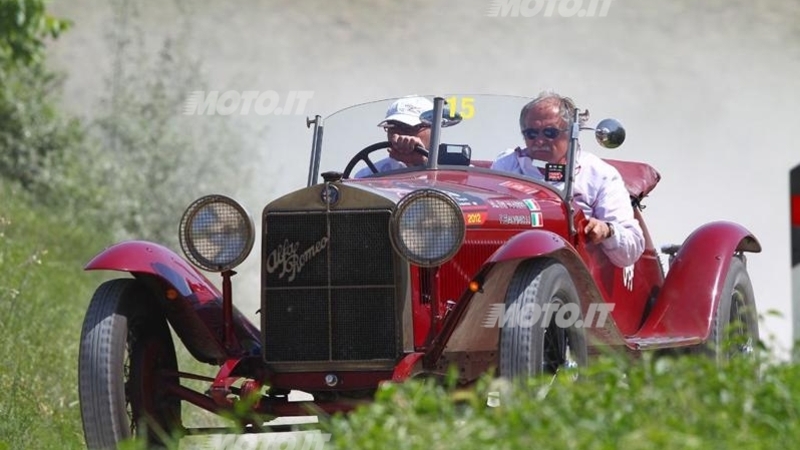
(681,403)
(69,188)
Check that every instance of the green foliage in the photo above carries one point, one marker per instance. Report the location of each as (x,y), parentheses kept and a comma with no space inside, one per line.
(37,141)
(137,165)
(687,402)
(43,296)
(24,25)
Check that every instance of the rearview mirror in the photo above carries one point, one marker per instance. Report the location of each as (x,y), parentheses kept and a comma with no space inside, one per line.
(609,133)
(448,118)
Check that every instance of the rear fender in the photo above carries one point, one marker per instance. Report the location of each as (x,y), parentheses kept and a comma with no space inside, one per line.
(467,328)
(684,309)
(191,303)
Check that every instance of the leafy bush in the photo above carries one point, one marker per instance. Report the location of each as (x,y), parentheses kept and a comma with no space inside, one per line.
(135,167)
(24,24)
(680,403)
(36,139)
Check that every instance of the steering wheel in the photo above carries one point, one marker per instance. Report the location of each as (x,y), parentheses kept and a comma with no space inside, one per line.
(363,155)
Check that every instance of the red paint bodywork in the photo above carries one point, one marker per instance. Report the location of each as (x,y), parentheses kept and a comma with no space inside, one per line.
(655,312)
(684,309)
(197,311)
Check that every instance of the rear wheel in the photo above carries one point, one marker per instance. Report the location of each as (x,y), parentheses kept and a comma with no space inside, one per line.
(734,331)
(553,342)
(127,358)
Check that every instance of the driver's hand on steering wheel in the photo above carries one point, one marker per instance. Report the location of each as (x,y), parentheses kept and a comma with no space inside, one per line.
(402,150)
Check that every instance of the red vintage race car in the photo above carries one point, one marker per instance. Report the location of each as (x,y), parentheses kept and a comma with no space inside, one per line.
(397,273)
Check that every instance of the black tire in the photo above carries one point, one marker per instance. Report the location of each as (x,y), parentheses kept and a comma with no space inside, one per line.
(734,331)
(543,348)
(125,343)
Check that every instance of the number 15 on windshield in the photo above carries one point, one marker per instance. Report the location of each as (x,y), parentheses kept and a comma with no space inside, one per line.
(461,105)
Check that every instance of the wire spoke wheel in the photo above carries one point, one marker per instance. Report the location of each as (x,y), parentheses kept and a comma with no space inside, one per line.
(127,363)
(734,332)
(553,345)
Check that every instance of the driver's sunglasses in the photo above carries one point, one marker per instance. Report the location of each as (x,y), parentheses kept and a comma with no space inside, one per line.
(404,129)
(548,132)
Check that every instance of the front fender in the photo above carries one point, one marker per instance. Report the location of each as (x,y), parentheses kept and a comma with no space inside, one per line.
(465,328)
(194,309)
(153,259)
(684,309)
(530,244)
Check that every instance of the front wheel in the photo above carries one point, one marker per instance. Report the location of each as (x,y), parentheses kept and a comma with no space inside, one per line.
(127,358)
(552,342)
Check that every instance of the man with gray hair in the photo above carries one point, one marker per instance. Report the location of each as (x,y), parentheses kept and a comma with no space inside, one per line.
(598,187)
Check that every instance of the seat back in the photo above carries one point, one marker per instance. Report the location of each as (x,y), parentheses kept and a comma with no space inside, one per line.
(640,178)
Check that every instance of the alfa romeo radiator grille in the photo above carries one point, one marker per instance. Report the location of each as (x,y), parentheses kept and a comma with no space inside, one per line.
(329,287)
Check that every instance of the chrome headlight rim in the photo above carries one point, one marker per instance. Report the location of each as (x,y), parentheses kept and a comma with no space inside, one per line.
(187,244)
(395,235)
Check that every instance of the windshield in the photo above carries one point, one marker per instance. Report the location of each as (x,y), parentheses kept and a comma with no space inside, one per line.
(489,126)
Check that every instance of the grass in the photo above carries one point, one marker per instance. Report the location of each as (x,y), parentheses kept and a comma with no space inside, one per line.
(665,403)
(43,295)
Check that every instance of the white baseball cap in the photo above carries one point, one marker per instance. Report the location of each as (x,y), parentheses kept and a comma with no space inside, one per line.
(407,110)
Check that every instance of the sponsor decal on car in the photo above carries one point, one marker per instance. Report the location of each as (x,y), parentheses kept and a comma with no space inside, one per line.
(474,218)
(514,219)
(507,204)
(537,220)
(531,204)
(555,172)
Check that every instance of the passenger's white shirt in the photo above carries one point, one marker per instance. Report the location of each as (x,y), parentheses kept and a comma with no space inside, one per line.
(600,192)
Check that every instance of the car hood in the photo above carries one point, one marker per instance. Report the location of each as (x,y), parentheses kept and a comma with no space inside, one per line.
(486,197)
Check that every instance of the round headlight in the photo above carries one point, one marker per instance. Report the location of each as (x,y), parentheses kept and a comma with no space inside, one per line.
(427,228)
(216,233)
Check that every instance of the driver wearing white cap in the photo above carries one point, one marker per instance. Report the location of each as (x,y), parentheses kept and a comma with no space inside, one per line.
(404,131)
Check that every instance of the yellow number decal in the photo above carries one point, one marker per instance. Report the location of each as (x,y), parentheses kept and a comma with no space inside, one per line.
(466,107)
(451,103)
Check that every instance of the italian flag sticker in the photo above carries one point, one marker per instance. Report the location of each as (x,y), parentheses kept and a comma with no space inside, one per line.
(536,219)
(531,204)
